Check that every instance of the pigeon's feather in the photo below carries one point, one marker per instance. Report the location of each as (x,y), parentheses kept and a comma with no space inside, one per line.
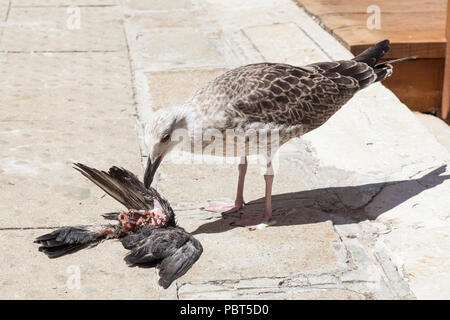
(179,262)
(173,250)
(69,239)
(120,184)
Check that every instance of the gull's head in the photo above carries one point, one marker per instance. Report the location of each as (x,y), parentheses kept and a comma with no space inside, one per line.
(158,135)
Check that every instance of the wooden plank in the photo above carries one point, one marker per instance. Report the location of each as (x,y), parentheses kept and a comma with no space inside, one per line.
(446,86)
(414,27)
(321,7)
(398,50)
(425,37)
(418,84)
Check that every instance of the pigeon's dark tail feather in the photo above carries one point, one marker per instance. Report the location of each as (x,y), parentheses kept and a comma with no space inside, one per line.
(120,184)
(373,54)
(70,239)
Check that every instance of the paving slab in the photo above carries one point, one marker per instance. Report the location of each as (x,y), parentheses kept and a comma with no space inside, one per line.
(271,294)
(30,274)
(54,3)
(319,294)
(39,186)
(166,19)
(177,48)
(202,175)
(411,202)
(296,249)
(413,225)
(182,84)
(285,43)
(52,29)
(424,266)
(439,128)
(4,6)
(243,4)
(61,86)
(159,4)
(234,18)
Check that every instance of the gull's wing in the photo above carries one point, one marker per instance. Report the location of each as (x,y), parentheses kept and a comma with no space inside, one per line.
(172,249)
(120,184)
(285,95)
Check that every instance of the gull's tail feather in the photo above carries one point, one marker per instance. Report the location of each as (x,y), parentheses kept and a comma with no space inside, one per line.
(399,60)
(384,69)
(382,72)
(373,54)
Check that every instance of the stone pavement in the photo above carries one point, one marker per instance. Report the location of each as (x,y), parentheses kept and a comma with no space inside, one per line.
(362,203)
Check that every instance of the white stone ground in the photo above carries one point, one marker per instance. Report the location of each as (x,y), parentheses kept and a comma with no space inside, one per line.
(362,203)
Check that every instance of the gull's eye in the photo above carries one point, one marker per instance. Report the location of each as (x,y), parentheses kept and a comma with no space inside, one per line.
(165,138)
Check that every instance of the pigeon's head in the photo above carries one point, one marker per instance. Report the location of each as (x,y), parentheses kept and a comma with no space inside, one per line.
(159,138)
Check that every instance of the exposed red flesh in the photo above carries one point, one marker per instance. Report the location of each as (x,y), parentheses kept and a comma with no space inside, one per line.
(131,220)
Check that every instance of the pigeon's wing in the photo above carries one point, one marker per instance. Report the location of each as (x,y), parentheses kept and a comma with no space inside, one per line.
(179,262)
(120,184)
(172,249)
(152,244)
(67,240)
(139,238)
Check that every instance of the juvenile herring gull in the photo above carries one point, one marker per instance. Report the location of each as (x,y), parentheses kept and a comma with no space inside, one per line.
(264,96)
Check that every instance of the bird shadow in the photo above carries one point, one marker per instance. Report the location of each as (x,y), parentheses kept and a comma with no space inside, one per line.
(341,205)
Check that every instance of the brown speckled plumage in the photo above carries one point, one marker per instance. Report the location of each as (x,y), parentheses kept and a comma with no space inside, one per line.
(285,95)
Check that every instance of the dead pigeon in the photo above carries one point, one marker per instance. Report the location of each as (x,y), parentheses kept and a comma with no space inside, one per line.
(148,228)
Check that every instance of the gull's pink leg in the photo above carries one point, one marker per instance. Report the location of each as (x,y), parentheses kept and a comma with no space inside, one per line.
(225,208)
(257,221)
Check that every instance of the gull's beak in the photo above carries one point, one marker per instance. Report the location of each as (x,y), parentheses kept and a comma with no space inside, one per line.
(151,170)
